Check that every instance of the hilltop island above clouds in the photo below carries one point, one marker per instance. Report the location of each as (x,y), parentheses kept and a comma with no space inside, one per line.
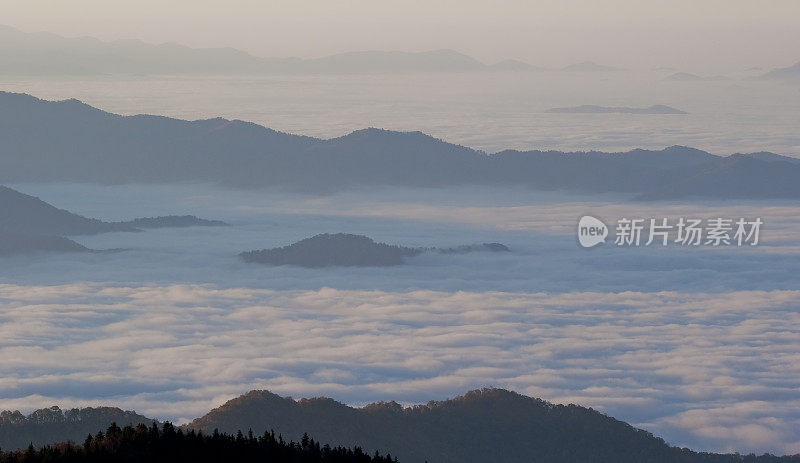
(69,141)
(347,250)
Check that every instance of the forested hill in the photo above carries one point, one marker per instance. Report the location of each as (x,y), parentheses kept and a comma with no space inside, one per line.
(490,425)
(167,444)
(68,141)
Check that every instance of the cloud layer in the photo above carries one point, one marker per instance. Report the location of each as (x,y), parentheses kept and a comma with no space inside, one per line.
(711,371)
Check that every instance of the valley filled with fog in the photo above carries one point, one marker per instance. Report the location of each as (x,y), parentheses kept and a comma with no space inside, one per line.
(694,344)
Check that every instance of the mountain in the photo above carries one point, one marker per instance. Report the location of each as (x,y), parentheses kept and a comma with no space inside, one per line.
(50,425)
(481,426)
(29,215)
(733,177)
(28,224)
(172,221)
(688,77)
(489,425)
(592,109)
(328,250)
(68,141)
(588,66)
(12,243)
(42,53)
(791,73)
(346,250)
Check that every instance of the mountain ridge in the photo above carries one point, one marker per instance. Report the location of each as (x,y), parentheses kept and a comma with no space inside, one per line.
(43,53)
(481,425)
(71,142)
(28,225)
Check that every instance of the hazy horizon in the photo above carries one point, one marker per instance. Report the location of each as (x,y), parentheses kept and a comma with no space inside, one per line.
(707,36)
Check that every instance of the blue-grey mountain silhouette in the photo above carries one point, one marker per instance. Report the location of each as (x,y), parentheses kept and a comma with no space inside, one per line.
(593,109)
(348,250)
(791,73)
(13,243)
(68,141)
(689,77)
(28,224)
(26,214)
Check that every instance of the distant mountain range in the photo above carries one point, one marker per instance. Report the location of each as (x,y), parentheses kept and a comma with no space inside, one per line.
(489,425)
(68,141)
(43,53)
(28,224)
(589,66)
(791,73)
(347,250)
(50,425)
(688,77)
(592,109)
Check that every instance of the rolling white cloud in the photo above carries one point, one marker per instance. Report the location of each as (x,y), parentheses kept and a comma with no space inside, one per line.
(713,371)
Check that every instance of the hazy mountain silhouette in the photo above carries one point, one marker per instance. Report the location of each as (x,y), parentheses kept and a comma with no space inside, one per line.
(589,66)
(172,221)
(50,425)
(49,54)
(489,425)
(733,177)
(347,250)
(327,250)
(28,224)
(26,214)
(12,243)
(689,77)
(592,109)
(68,141)
(791,73)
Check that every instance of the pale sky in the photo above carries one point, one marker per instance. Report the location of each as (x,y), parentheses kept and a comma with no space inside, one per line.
(696,35)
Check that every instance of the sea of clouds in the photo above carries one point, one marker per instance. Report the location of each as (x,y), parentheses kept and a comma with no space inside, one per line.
(711,371)
(699,346)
